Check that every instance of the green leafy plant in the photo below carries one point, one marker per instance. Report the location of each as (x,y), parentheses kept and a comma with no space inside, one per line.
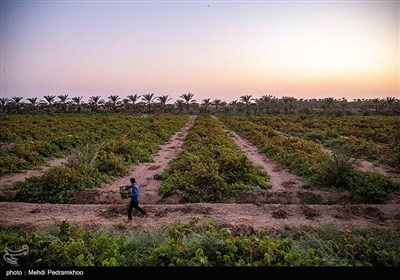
(211,167)
(84,156)
(336,171)
(207,245)
(90,165)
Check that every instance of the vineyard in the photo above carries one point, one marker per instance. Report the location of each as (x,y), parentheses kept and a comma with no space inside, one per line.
(219,190)
(372,138)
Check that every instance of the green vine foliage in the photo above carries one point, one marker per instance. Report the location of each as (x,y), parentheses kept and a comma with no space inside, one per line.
(91,164)
(28,141)
(211,167)
(207,245)
(372,138)
(307,159)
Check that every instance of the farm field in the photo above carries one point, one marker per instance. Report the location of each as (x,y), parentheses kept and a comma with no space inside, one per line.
(371,138)
(118,142)
(28,141)
(239,133)
(320,168)
(234,191)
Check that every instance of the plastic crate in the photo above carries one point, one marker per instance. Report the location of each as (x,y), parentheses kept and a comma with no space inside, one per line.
(124,191)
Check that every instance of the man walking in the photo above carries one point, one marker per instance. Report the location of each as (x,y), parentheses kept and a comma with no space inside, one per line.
(134,194)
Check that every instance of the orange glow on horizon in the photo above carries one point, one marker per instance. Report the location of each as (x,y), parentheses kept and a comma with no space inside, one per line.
(300,49)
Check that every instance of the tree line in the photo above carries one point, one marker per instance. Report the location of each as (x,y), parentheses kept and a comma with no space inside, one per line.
(150,103)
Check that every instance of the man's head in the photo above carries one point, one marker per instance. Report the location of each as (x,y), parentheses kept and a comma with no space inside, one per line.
(133,180)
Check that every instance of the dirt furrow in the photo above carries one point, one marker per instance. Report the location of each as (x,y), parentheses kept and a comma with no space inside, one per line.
(366,165)
(363,164)
(143,173)
(243,215)
(6,191)
(281,178)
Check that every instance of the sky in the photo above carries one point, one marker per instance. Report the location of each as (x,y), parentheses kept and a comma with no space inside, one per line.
(225,49)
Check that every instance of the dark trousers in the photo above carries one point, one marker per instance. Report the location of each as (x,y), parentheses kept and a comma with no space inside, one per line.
(134,204)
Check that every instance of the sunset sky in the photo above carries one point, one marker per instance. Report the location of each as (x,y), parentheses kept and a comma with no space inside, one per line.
(311,49)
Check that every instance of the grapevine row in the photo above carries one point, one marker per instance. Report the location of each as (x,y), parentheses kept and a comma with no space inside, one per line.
(211,167)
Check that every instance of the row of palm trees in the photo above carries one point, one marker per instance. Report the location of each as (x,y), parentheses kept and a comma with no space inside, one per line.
(149,103)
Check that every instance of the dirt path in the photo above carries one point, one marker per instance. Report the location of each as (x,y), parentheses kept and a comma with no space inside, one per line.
(286,187)
(363,164)
(143,173)
(366,165)
(271,216)
(370,166)
(6,191)
(281,178)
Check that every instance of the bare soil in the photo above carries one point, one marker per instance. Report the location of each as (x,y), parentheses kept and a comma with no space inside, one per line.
(286,205)
(366,165)
(273,216)
(385,170)
(286,186)
(6,190)
(300,197)
(281,179)
(363,164)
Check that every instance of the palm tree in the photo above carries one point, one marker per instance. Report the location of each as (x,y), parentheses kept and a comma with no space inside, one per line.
(163,99)
(206,104)
(133,98)
(259,105)
(343,105)
(328,103)
(390,101)
(223,105)
(63,101)
(16,101)
(114,100)
(291,103)
(376,102)
(266,99)
(179,105)
(33,101)
(149,99)
(216,103)
(77,100)
(49,99)
(95,101)
(232,107)
(3,103)
(247,101)
(125,104)
(285,100)
(187,97)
